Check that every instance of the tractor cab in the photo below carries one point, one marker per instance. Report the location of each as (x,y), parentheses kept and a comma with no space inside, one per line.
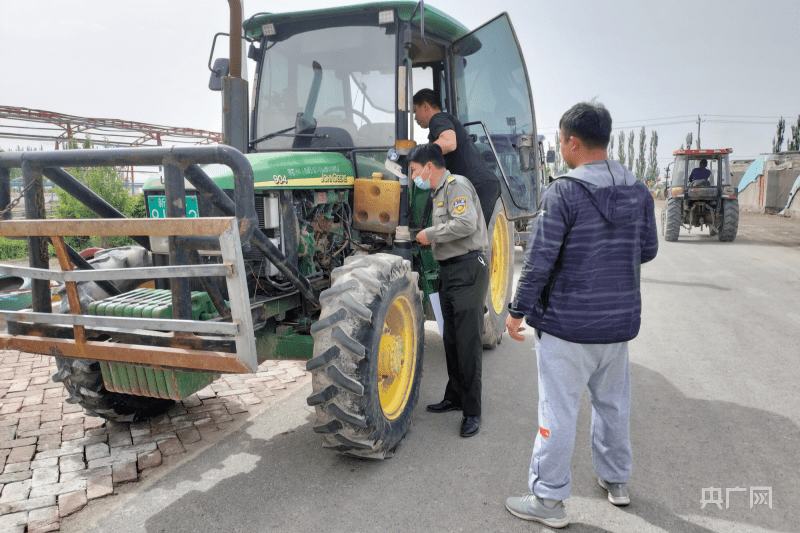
(689,164)
(342,80)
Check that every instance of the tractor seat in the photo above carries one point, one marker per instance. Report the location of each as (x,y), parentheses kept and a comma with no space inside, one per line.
(700,183)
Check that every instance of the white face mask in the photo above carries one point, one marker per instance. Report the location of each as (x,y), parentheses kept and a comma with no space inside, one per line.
(420,183)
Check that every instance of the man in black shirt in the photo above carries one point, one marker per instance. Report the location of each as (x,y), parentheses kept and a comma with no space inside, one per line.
(460,154)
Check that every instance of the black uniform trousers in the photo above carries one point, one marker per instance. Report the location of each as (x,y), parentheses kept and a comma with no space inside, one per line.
(488,193)
(462,291)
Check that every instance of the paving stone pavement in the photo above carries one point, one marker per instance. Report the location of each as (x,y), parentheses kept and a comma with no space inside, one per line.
(54,459)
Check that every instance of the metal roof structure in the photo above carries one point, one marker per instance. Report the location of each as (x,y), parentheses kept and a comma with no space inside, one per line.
(15,123)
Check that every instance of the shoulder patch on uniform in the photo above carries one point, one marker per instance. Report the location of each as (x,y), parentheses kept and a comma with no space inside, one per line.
(440,204)
(460,205)
(450,178)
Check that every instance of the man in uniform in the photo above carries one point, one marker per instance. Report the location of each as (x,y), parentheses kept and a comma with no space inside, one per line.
(461,156)
(459,242)
(579,288)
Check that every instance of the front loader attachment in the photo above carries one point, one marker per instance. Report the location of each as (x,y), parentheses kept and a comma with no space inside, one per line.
(182,351)
(129,330)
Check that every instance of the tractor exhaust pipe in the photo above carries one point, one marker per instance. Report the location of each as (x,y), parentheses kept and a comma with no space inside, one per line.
(235,130)
(235,69)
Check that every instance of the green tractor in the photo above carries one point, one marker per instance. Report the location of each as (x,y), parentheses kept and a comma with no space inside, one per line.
(293,240)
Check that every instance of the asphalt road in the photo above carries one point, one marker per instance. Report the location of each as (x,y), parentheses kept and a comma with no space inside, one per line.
(715,405)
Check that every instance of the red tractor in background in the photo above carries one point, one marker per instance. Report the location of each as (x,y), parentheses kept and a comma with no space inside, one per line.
(711,202)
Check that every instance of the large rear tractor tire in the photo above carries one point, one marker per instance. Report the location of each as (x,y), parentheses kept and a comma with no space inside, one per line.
(672,225)
(367,364)
(730,220)
(501,276)
(82,377)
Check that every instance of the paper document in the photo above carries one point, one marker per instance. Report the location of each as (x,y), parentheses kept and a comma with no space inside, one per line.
(437,312)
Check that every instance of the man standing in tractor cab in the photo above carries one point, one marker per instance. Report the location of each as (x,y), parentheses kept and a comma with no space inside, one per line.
(459,241)
(461,156)
(700,173)
(579,288)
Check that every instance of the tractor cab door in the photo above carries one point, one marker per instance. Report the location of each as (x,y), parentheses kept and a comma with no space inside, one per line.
(495,104)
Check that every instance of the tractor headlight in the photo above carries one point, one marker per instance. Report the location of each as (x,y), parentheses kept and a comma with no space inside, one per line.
(676,191)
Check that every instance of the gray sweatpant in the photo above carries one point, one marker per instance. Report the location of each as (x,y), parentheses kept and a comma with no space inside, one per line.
(565,370)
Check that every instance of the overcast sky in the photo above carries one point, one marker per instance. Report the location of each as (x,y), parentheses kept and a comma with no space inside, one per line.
(735,63)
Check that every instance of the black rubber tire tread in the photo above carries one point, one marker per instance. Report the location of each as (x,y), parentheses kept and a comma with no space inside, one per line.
(323,396)
(730,220)
(346,356)
(322,359)
(345,382)
(494,324)
(341,289)
(672,227)
(82,378)
(330,427)
(329,321)
(351,443)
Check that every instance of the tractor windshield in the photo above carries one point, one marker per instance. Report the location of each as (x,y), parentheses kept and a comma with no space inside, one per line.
(341,80)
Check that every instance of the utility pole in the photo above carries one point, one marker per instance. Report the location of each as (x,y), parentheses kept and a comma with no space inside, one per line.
(698,132)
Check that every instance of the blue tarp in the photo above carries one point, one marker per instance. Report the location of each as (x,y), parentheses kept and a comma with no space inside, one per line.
(792,194)
(755,170)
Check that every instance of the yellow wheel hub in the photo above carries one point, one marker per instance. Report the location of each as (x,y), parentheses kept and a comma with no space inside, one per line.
(501,248)
(397,358)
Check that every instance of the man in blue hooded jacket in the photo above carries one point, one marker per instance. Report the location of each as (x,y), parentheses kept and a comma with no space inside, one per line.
(579,288)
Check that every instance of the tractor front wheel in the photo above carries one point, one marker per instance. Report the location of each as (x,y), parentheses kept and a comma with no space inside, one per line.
(501,276)
(368,347)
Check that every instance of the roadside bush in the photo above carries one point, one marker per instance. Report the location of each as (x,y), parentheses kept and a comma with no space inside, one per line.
(13,249)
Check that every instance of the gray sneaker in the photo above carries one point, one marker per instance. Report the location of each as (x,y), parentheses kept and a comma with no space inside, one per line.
(617,492)
(529,507)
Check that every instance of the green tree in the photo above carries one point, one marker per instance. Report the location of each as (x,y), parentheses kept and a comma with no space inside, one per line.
(107,183)
(622,148)
(777,141)
(136,207)
(630,151)
(794,142)
(689,141)
(640,162)
(557,162)
(652,168)
(559,166)
(611,148)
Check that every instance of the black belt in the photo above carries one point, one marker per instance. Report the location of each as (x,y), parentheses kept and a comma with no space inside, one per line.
(460,258)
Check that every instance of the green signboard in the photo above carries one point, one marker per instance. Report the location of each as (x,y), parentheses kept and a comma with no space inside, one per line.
(157,206)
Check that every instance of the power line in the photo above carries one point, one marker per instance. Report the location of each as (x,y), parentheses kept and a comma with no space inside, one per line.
(649,119)
(744,116)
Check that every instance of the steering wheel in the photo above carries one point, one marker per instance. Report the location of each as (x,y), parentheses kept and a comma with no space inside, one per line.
(343,108)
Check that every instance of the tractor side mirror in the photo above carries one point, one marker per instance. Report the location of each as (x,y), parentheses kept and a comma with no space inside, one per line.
(551,156)
(221,68)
